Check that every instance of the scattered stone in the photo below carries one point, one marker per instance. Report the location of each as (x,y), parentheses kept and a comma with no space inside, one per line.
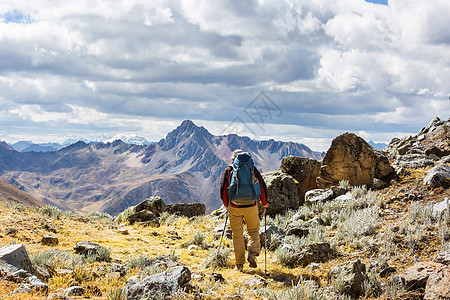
(298,228)
(338,191)
(440,207)
(165,284)
(445,160)
(316,221)
(378,184)
(416,276)
(438,285)
(44,272)
(256,281)
(414,161)
(304,170)
(282,189)
(275,237)
(37,285)
(114,275)
(123,231)
(49,240)
(186,209)
(192,247)
(155,204)
(216,277)
(86,248)
(11,231)
(74,291)
(17,256)
(443,258)
(351,277)
(314,252)
(438,176)
(64,272)
(318,195)
(57,296)
(387,271)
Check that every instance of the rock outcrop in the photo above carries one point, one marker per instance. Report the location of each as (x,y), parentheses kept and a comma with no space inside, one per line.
(351,158)
(438,176)
(351,277)
(187,209)
(281,192)
(303,169)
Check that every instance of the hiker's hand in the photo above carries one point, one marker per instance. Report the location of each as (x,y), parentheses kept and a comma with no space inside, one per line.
(266,205)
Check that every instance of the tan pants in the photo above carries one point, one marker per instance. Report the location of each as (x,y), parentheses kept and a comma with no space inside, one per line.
(237,215)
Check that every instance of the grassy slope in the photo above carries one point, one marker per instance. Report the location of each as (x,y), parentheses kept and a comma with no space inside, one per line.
(143,241)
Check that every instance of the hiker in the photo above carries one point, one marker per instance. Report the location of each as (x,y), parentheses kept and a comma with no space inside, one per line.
(240,196)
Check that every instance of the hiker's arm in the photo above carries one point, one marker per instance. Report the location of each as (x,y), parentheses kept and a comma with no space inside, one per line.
(224,188)
(262,183)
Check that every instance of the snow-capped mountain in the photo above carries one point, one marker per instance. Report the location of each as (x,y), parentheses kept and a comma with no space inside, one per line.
(185,166)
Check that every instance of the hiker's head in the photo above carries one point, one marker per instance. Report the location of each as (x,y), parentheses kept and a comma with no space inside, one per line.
(236,152)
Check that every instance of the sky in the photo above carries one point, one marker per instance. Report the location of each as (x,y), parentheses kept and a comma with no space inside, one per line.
(303,71)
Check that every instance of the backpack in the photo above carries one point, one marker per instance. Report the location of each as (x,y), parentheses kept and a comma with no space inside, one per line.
(244,188)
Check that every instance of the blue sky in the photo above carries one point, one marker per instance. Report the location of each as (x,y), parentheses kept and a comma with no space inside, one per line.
(304,71)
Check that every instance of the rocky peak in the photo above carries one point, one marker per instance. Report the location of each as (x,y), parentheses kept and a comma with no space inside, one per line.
(5,146)
(186,130)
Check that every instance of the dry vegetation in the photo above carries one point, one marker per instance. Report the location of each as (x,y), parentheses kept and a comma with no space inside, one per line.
(385,228)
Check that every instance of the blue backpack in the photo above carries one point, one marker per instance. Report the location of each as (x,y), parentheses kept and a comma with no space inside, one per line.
(243,181)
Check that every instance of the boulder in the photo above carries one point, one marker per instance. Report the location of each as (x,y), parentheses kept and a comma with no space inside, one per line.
(86,248)
(438,176)
(164,284)
(303,169)
(186,209)
(318,195)
(351,158)
(314,252)
(17,256)
(383,168)
(438,285)
(416,276)
(440,207)
(298,228)
(45,272)
(256,281)
(349,278)
(155,204)
(281,192)
(144,217)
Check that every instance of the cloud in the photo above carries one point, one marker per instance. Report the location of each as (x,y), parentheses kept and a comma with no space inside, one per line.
(91,67)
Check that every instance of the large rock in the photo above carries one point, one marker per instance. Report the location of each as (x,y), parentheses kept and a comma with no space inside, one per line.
(438,285)
(303,169)
(314,252)
(274,235)
(351,158)
(17,256)
(383,168)
(281,192)
(86,248)
(186,209)
(155,204)
(349,278)
(443,258)
(416,276)
(164,284)
(438,176)
(145,217)
(298,228)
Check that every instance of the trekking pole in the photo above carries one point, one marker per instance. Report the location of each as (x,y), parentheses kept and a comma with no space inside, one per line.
(223,232)
(265,242)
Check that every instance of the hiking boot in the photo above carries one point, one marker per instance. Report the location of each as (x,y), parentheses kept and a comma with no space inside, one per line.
(252,259)
(239,268)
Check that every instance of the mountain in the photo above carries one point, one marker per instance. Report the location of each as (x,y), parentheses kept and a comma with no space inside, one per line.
(129,139)
(29,146)
(378,146)
(11,194)
(185,166)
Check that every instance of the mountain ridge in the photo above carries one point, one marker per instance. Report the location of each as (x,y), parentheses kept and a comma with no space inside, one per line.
(185,166)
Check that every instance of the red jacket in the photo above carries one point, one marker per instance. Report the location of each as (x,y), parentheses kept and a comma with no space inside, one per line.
(225,182)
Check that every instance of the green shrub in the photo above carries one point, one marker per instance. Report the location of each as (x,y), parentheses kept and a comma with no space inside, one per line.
(57,259)
(219,258)
(116,294)
(123,216)
(102,216)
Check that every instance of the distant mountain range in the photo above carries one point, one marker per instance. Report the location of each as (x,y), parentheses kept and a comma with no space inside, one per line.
(185,166)
(29,146)
(378,146)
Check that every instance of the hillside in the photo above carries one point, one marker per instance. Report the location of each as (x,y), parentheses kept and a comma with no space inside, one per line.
(183,167)
(8,193)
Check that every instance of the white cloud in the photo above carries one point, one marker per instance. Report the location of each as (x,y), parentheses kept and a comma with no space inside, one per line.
(332,66)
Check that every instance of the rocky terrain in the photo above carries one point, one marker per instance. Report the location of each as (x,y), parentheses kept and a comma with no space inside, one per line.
(359,224)
(183,167)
